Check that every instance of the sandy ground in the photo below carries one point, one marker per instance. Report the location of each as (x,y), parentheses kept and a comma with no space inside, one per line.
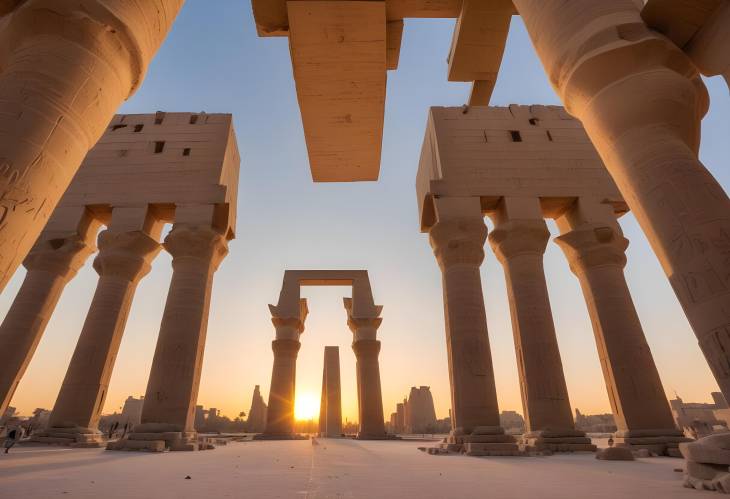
(334,468)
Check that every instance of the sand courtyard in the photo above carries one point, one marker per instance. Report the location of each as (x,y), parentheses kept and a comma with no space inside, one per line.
(331,468)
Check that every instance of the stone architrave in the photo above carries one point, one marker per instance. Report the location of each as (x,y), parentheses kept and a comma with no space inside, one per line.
(341,51)
(330,408)
(66,67)
(124,258)
(519,239)
(457,239)
(595,248)
(51,264)
(168,414)
(641,102)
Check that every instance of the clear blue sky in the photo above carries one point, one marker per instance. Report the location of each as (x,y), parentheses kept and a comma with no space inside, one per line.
(214,62)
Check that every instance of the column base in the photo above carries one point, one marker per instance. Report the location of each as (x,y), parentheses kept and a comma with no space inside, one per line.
(73,436)
(660,442)
(160,442)
(280,436)
(483,441)
(556,441)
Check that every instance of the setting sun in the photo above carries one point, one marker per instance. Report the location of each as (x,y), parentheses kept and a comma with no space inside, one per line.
(306,406)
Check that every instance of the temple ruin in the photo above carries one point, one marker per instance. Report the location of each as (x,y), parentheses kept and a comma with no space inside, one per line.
(363,319)
(147,170)
(520,165)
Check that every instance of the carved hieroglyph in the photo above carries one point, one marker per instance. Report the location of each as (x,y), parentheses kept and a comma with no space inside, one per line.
(288,317)
(65,67)
(145,171)
(519,165)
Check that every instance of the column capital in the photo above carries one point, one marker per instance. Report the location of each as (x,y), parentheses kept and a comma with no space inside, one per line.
(191,244)
(519,237)
(60,256)
(366,348)
(593,245)
(459,241)
(363,328)
(127,255)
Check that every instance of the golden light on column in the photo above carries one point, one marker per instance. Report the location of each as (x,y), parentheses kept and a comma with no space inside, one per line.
(306,406)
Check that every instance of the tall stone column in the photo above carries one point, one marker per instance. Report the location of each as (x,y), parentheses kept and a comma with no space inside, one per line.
(280,414)
(168,414)
(280,411)
(65,67)
(641,103)
(123,259)
(330,410)
(519,239)
(457,240)
(369,393)
(595,248)
(51,265)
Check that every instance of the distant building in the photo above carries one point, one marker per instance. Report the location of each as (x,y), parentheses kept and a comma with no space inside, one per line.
(420,411)
(132,410)
(595,423)
(416,414)
(512,422)
(699,419)
(256,422)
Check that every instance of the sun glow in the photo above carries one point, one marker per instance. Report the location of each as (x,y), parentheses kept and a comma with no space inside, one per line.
(306,406)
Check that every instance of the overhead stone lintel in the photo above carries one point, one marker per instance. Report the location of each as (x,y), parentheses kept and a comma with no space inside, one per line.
(478,44)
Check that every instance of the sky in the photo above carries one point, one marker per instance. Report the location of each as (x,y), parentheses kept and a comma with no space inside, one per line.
(213,61)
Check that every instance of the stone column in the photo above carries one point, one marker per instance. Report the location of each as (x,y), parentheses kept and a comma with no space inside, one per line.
(519,239)
(457,239)
(66,67)
(330,411)
(280,411)
(369,393)
(641,103)
(595,248)
(168,414)
(51,265)
(280,414)
(123,259)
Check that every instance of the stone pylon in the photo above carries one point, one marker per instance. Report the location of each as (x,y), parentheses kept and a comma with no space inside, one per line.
(595,247)
(256,422)
(280,412)
(519,239)
(457,239)
(66,67)
(330,407)
(641,101)
(124,258)
(51,265)
(168,414)
(369,393)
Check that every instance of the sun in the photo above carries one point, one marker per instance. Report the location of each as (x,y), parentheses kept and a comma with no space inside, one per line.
(306,406)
